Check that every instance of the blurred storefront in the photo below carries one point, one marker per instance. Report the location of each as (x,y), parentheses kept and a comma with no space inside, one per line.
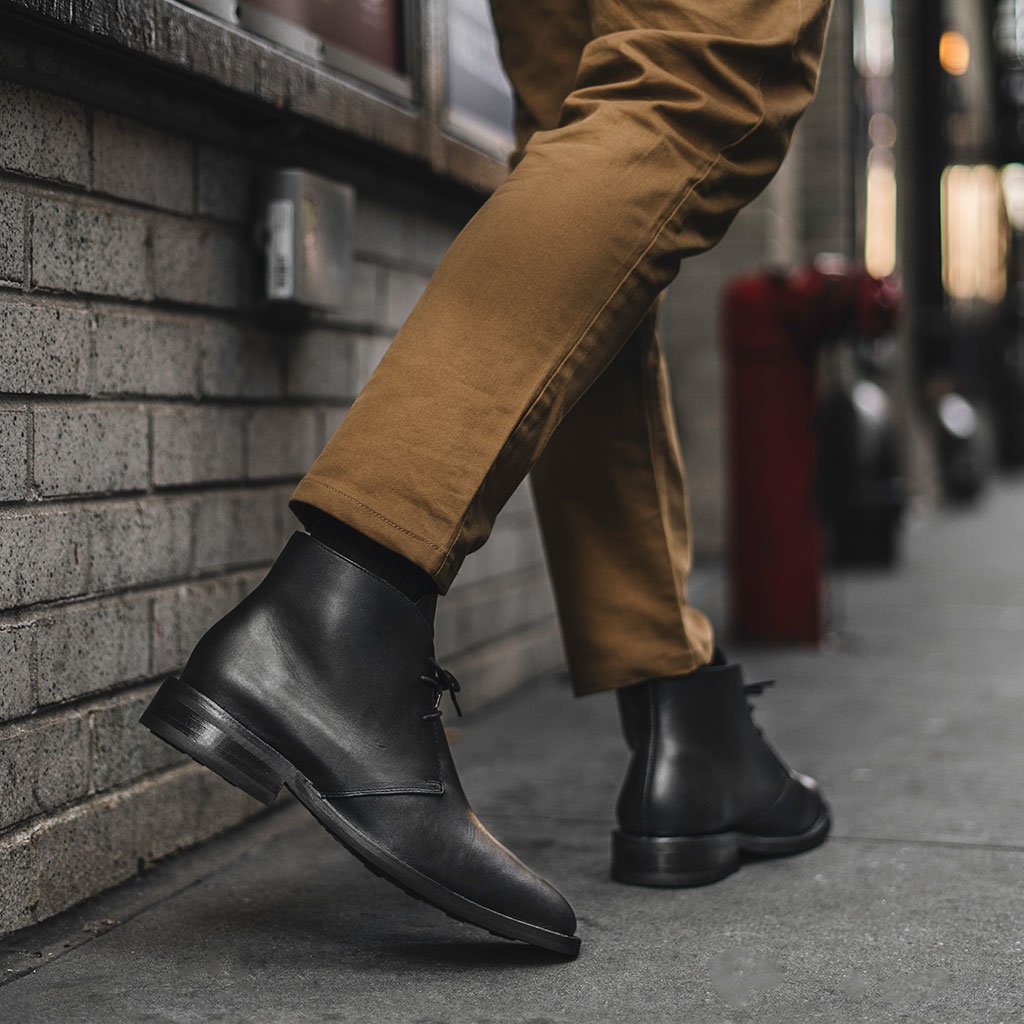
(960,67)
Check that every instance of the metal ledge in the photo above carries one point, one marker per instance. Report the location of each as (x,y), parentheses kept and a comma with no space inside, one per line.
(187,41)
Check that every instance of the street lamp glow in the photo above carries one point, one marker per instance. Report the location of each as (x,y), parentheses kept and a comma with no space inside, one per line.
(954,53)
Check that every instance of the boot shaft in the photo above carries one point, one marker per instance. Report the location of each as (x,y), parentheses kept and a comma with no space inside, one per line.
(698,764)
(322,657)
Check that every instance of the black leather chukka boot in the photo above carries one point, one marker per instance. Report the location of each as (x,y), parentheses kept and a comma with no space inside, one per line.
(703,788)
(324,680)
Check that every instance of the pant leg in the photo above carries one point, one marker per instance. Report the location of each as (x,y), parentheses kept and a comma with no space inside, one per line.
(541,43)
(680,113)
(610,485)
(610,491)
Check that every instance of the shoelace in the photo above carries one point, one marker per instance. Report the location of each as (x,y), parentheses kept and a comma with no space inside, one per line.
(440,680)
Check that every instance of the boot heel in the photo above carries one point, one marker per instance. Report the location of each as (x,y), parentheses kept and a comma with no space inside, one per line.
(674,861)
(184,718)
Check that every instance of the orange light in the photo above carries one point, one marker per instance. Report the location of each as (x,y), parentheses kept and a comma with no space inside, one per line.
(954,53)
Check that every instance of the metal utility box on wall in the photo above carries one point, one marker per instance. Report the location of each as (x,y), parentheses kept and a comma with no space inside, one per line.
(309,224)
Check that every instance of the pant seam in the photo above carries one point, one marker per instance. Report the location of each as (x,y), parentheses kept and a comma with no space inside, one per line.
(320,482)
(515,437)
(659,483)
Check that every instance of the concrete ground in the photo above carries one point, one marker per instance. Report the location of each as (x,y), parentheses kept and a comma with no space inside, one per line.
(914,910)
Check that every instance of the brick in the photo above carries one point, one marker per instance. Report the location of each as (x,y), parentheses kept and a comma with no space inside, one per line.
(145,541)
(122,750)
(249,581)
(195,444)
(225,185)
(43,136)
(86,648)
(514,545)
(201,264)
(79,853)
(82,851)
(330,420)
(182,808)
(321,364)
(286,523)
(19,895)
(383,232)
(12,236)
(474,615)
(362,301)
(44,350)
(431,240)
(281,442)
(44,555)
(497,668)
(403,290)
(86,247)
(13,454)
(109,838)
(16,697)
(90,449)
(182,615)
(369,352)
(240,362)
(134,161)
(147,355)
(43,765)
(237,528)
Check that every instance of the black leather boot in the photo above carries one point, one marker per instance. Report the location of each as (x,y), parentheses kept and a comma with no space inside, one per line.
(703,788)
(324,680)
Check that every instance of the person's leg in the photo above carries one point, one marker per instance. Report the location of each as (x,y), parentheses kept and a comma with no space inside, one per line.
(611,497)
(324,679)
(609,486)
(702,786)
(679,114)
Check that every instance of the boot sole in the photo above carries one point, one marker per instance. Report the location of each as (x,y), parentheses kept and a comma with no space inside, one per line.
(684,861)
(195,725)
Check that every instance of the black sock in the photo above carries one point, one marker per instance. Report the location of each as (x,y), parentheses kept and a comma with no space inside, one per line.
(406,576)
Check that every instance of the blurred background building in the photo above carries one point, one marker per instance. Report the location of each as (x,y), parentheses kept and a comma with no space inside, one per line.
(181,328)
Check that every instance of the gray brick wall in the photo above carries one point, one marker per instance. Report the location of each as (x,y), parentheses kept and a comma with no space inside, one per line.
(152,425)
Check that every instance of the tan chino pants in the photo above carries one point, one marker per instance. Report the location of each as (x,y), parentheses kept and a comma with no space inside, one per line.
(643,127)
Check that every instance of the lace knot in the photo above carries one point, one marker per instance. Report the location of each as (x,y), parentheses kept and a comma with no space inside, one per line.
(440,679)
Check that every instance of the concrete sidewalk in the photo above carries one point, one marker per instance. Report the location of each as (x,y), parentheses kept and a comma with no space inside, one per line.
(913,722)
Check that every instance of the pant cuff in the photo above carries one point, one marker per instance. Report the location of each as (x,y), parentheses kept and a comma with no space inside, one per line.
(328,497)
(601,679)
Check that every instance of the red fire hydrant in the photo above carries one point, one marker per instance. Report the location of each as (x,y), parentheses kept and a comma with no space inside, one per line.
(774,325)
(776,589)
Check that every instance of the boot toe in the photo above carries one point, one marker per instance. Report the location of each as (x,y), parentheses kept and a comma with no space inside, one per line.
(541,904)
(491,875)
(444,841)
